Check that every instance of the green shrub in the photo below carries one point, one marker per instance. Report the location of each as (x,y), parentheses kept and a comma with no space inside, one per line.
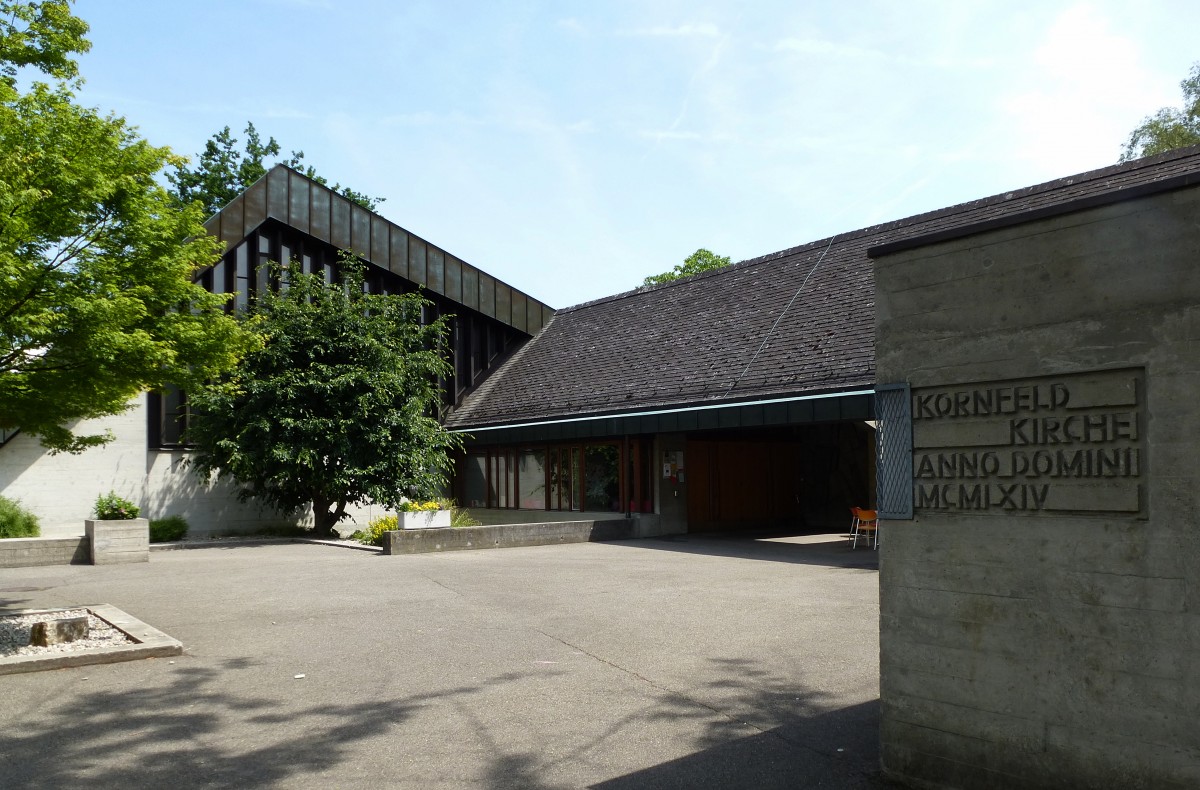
(16,521)
(110,507)
(167,530)
(373,534)
(461,517)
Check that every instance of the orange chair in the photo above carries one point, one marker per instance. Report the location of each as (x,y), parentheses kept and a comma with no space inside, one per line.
(867,528)
(853,525)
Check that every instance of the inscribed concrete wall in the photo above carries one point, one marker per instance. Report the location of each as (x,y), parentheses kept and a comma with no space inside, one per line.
(1047,636)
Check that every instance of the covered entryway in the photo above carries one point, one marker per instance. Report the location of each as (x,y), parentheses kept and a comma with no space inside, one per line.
(798,478)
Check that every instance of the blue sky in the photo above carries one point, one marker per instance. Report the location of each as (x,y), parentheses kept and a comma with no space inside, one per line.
(572,148)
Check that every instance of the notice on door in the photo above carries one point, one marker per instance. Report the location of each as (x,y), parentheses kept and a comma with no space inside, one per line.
(1071,443)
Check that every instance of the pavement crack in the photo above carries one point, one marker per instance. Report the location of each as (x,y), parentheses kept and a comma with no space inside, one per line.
(603,660)
(445,586)
(679,695)
(665,689)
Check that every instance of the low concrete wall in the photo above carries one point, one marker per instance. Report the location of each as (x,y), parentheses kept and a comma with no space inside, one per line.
(29,552)
(503,536)
(645,525)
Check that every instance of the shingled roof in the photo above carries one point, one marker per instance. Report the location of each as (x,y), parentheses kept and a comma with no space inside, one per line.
(795,322)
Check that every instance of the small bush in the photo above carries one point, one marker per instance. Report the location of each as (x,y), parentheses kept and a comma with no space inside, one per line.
(461,517)
(110,507)
(167,530)
(373,534)
(16,521)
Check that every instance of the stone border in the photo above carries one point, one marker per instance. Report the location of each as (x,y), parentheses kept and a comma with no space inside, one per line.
(151,643)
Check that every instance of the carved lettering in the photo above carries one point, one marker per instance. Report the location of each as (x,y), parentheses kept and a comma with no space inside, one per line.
(1010,446)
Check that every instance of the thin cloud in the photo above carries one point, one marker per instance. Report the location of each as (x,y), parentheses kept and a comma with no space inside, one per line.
(817,46)
(704,30)
(668,134)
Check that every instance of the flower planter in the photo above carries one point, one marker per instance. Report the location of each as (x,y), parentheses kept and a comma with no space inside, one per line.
(117,542)
(423,519)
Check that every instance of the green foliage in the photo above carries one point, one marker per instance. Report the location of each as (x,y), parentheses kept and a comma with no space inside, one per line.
(42,35)
(701,260)
(224,172)
(373,534)
(111,507)
(169,529)
(338,406)
(1170,127)
(16,521)
(461,517)
(97,299)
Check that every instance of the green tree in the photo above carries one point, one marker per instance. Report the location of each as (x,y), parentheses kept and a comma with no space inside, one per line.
(1170,127)
(701,260)
(97,299)
(338,406)
(43,35)
(223,172)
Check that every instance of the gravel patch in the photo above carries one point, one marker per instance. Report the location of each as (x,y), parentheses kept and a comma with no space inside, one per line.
(14,634)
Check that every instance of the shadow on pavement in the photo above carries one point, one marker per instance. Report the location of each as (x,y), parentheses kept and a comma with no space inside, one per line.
(829,550)
(752,730)
(176,736)
(783,757)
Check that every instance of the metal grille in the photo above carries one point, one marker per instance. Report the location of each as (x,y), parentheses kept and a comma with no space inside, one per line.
(893,451)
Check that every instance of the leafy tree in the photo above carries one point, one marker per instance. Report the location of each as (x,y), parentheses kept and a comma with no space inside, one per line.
(336,408)
(43,35)
(97,299)
(1170,127)
(701,260)
(224,172)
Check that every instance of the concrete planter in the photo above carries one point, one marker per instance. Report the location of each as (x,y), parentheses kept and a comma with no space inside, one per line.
(424,519)
(117,542)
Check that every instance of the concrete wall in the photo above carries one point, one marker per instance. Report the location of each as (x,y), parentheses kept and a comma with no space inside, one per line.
(504,536)
(1052,638)
(61,489)
(644,525)
(30,552)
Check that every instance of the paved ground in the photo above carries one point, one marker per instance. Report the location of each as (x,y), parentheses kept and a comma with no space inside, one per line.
(689,663)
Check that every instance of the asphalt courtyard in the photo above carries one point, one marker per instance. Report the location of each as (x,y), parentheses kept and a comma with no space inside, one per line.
(673,663)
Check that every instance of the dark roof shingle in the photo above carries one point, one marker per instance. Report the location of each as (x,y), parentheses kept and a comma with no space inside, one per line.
(798,321)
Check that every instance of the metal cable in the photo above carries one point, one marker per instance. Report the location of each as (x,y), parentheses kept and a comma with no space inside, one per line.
(771,331)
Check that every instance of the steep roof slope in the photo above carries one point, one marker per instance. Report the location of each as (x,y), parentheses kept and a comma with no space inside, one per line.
(301,203)
(799,321)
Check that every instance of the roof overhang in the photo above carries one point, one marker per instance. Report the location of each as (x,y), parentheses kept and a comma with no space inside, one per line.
(856,405)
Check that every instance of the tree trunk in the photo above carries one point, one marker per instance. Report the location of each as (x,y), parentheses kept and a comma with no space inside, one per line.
(325,520)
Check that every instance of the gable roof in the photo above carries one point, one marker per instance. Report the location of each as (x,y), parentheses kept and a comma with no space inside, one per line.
(296,200)
(799,321)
